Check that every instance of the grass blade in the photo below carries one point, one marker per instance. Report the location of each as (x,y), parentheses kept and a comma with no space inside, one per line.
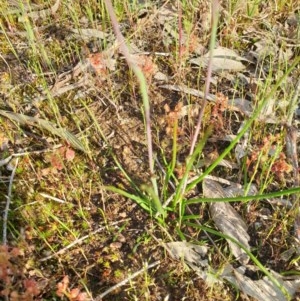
(45,125)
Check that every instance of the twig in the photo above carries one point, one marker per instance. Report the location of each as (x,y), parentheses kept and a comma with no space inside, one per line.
(5,215)
(143,87)
(147,267)
(180,48)
(6,160)
(215,16)
(291,149)
(50,197)
(79,240)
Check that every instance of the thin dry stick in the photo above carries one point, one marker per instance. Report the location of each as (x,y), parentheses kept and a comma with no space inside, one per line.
(79,240)
(5,215)
(143,86)
(180,50)
(215,16)
(6,160)
(291,136)
(147,267)
(291,148)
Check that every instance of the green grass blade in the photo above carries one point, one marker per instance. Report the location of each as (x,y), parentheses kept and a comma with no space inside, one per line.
(143,202)
(246,127)
(253,258)
(190,161)
(247,198)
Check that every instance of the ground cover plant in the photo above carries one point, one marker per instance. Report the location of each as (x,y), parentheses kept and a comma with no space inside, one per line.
(149,150)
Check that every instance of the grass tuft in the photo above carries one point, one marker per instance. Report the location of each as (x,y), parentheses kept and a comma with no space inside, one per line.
(115,117)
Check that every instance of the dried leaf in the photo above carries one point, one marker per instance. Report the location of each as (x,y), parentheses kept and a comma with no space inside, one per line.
(194,256)
(190,252)
(187,90)
(191,110)
(268,110)
(46,125)
(265,48)
(5,161)
(88,33)
(241,105)
(64,86)
(208,161)
(166,14)
(159,76)
(242,147)
(238,190)
(40,14)
(227,219)
(223,59)
(262,289)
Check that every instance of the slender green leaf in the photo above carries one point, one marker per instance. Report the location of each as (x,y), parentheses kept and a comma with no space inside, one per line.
(254,259)
(247,198)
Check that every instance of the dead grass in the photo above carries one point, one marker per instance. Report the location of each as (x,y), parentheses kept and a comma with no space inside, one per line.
(68,235)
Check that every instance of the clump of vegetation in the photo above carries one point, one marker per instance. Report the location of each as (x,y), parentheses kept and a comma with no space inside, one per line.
(14,283)
(148,150)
